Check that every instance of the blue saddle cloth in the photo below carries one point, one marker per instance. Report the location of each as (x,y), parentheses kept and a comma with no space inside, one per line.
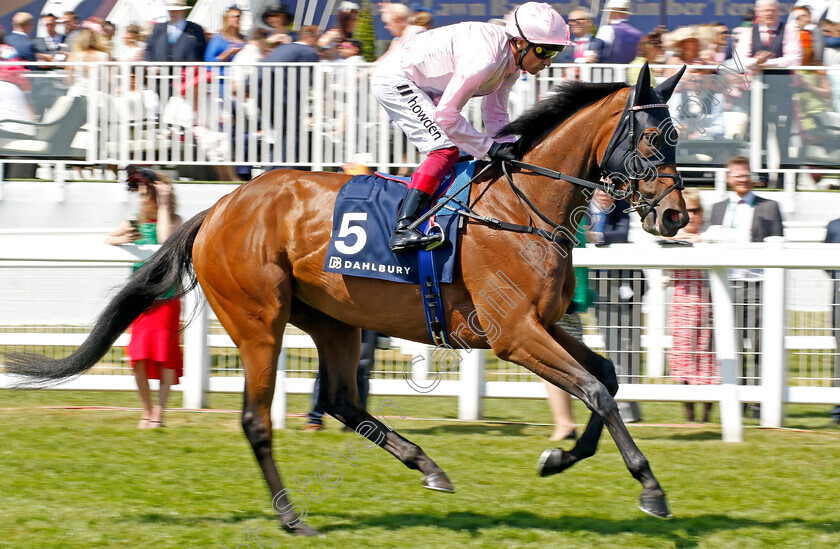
(363,222)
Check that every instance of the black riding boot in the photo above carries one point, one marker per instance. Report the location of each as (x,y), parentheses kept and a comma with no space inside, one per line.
(405,239)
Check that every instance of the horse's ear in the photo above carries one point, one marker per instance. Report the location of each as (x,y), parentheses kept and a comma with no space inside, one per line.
(665,89)
(641,92)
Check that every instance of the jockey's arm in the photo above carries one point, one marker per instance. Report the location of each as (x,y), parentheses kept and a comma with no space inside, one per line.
(461,88)
(494,110)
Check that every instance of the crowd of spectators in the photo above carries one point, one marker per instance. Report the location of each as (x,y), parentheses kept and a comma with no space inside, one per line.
(706,110)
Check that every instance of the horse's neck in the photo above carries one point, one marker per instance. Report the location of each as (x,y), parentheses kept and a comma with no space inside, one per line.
(574,149)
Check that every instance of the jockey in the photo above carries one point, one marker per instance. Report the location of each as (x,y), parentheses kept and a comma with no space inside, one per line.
(425,84)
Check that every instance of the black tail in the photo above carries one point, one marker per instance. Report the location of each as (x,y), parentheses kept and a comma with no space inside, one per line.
(162,272)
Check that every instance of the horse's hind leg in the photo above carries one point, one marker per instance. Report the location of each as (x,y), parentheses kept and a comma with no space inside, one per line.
(557,460)
(338,347)
(254,311)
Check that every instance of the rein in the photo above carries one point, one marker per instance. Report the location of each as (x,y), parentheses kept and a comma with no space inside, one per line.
(645,207)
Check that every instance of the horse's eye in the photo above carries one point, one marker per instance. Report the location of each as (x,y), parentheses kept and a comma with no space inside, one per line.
(651,143)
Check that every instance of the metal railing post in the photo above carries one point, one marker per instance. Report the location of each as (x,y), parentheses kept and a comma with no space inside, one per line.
(196,352)
(773,354)
(731,422)
(471,373)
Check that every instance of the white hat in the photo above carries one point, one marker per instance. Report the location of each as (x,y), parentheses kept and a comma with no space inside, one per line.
(177,5)
(619,6)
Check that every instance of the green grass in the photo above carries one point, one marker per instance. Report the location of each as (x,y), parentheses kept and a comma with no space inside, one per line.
(89,479)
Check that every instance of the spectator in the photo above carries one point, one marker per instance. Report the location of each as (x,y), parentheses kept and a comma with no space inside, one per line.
(301,51)
(620,38)
(348,15)
(619,314)
(253,52)
(750,218)
(771,44)
(177,40)
(587,48)
(70,28)
(54,48)
(422,18)
(134,49)
(721,47)
(691,360)
(650,51)
(14,105)
(396,18)
(10,70)
(813,96)
(88,47)
(801,17)
(227,43)
(154,347)
(350,50)
(441,70)
(278,18)
(22,26)
(832,235)
(366,361)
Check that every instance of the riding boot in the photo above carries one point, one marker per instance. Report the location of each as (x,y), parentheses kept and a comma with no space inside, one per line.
(405,239)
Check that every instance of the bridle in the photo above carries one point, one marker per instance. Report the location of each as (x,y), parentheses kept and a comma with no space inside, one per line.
(622,152)
(622,148)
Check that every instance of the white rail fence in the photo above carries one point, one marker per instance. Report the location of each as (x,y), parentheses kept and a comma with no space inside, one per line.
(322,116)
(52,286)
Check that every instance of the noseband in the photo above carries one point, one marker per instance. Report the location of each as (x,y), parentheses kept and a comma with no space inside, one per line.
(625,142)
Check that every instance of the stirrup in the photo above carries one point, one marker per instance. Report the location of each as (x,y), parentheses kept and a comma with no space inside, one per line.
(435,232)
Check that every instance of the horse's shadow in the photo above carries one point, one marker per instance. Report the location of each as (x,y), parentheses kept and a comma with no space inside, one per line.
(683,533)
(485,428)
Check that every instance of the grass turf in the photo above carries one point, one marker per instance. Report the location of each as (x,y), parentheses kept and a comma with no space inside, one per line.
(89,479)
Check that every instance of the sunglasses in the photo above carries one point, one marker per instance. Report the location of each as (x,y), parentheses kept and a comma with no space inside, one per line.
(694,210)
(579,20)
(547,52)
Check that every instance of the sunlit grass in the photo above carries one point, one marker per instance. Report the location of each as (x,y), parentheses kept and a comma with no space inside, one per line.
(83,478)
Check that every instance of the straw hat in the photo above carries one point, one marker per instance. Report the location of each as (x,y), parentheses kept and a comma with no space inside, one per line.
(703,34)
(177,5)
(618,6)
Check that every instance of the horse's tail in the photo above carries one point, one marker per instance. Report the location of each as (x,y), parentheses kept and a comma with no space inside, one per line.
(165,270)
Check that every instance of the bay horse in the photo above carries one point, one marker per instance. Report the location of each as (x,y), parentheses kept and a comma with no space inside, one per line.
(259,252)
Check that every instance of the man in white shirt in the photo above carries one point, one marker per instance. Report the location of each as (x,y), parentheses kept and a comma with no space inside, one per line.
(752,219)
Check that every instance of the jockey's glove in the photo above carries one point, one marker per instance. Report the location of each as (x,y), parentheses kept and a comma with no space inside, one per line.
(502,151)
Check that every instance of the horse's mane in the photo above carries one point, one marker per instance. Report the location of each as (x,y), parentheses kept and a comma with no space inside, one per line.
(565,100)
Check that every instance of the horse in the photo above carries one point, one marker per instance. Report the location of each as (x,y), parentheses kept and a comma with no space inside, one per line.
(258,255)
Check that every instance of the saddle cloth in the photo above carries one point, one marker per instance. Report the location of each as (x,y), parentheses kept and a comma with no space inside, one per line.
(363,221)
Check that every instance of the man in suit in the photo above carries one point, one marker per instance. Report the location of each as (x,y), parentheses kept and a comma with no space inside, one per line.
(620,38)
(177,40)
(587,48)
(832,235)
(770,45)
(301,51)
(22,26)
(752,219)
(619,305)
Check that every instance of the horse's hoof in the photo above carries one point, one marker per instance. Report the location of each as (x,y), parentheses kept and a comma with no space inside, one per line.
(302,529)
(655,506)
(553,461)
(438,481)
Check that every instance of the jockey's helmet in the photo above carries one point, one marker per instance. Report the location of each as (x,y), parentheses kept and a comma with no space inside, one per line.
(538,23)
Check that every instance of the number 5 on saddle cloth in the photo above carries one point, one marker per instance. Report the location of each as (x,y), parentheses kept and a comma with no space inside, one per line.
(363,220)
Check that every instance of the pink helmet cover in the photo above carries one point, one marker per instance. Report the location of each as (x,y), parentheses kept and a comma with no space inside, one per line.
(538,23)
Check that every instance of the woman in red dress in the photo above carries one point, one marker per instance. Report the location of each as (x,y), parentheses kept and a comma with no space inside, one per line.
(154,348)
(691,360)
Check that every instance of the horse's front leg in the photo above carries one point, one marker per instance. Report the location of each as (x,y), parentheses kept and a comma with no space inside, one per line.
(531,346)
(557,460)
